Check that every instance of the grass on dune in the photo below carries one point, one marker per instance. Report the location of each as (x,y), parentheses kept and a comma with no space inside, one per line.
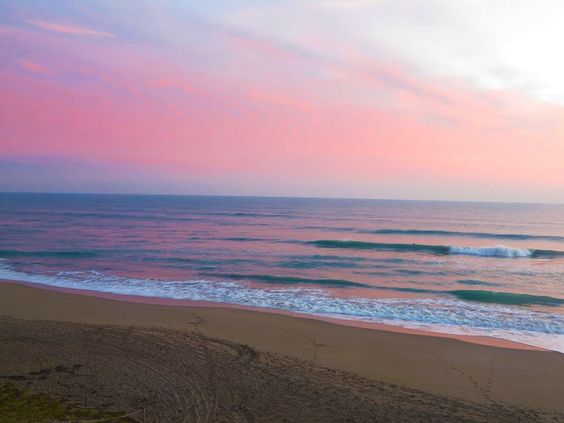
(17,406)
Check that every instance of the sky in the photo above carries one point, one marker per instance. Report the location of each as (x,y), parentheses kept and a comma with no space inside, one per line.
(411,99)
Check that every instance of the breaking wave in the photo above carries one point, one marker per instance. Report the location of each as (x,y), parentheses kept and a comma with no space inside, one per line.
(495,251)
(490,251)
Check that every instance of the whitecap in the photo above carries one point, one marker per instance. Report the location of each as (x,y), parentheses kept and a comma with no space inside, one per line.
(494,251)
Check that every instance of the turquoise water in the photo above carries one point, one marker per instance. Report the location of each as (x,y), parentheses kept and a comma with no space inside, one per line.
(470,268)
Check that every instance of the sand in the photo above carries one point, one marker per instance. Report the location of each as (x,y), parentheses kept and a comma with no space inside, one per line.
(180,363)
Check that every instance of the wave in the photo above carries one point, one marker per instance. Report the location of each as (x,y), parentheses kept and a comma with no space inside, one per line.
(365,245)
(117,216)
(475,282)
(493,251)
(247,239)
(292,280)
(198,261)
(244,214)
(254,214)
(547,253)
(446,314)
(465,234)
(59,253)
(320,261)
(289,280)
(483,296)
(508,298)
(503,251)
(329,228)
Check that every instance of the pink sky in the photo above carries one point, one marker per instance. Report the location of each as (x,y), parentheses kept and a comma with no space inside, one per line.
(289,98)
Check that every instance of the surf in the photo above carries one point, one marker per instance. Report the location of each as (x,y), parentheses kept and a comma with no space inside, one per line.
(288,280)
(450,313)
(501,251)
(494,251)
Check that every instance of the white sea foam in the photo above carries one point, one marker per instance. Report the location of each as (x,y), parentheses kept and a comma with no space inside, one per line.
(439,314)
(495,251)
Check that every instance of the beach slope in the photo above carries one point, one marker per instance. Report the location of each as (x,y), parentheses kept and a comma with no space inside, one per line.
(220,364)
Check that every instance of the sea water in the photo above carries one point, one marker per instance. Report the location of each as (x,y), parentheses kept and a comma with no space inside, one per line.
(468,268)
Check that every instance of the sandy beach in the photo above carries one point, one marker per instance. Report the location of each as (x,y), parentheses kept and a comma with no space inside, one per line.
(221,364)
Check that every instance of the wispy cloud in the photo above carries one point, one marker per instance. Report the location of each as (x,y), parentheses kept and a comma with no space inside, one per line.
(69,29)
(35,67)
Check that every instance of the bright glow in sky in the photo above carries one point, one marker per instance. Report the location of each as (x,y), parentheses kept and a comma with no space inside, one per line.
(422,99)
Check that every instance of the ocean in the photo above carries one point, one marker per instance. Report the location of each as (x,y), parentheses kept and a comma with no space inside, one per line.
(489,269)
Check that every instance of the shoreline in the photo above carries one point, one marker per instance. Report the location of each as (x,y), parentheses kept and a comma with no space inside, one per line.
(436,365)
(472,339)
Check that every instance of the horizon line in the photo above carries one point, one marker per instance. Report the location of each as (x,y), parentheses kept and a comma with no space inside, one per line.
(278,196)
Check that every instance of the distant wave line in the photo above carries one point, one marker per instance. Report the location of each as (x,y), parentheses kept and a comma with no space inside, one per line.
(424,232)
(58,253)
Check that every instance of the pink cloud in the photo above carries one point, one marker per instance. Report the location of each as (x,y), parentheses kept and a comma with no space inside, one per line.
(68,29)
(171,82)
(35,67)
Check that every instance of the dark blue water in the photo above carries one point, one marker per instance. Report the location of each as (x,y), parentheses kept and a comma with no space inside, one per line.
(473,268)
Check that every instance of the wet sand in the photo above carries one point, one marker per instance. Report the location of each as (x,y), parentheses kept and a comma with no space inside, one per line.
(179,363)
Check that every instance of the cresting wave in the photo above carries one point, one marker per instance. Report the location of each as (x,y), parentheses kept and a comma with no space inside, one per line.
(506,297)
(493,251)
(442,314)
